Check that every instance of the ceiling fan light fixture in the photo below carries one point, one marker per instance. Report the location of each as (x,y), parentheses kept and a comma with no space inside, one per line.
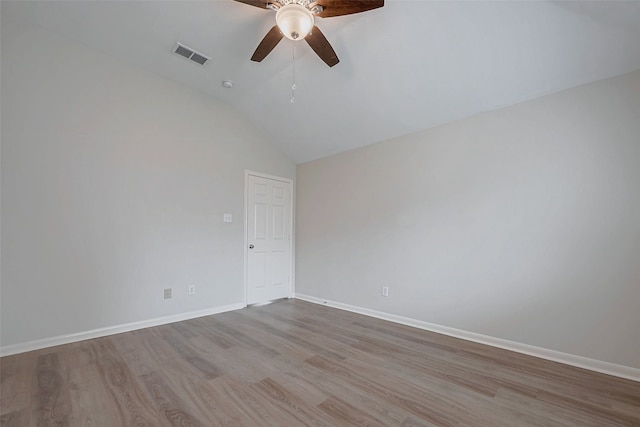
(295,21)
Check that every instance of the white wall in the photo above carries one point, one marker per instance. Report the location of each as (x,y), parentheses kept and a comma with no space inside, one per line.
(521,224)
(114,182)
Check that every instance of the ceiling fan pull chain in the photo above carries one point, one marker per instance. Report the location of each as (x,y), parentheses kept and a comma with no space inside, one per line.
(293,84)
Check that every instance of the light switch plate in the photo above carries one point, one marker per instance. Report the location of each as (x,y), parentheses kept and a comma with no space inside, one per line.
(227,218)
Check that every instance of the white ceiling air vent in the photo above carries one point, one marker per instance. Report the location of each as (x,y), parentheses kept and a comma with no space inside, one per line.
(190,54)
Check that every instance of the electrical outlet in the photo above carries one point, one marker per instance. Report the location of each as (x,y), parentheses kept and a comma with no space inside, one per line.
(192,289)
(227,217)
(385,291)
(167,293)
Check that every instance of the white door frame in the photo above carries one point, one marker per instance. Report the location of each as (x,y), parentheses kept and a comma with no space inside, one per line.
(248,173)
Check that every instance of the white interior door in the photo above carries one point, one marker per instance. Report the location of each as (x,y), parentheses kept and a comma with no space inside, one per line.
(269,245)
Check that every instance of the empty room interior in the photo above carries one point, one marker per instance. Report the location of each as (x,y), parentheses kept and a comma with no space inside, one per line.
(332,213)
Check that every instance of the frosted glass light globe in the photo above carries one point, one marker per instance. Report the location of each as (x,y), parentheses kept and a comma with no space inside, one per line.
(295,21)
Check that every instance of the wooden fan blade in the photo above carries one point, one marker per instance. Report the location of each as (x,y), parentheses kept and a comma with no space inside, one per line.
(347,7)
(321,46)
(262,4)
(267,44)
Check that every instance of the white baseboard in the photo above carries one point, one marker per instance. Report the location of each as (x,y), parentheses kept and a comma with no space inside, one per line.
(111,330)
(543,353)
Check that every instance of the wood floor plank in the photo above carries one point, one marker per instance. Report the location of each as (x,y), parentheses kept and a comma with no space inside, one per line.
(334,386)
(294,363)
(17,418)
(189,354)
(245,402)
(206,331)
(145,350)
(91,402)
(295,408)
(239,335)
(177,411)
(417,403)
(132,403)
(412,422)
(51,400)
(15,382)
(299,339)
(347,414)
(205,403)
(316,340)
(470,373)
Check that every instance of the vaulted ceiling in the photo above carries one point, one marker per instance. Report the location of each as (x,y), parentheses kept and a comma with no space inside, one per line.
(405,67)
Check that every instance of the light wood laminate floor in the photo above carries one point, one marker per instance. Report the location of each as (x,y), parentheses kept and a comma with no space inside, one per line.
(294,363)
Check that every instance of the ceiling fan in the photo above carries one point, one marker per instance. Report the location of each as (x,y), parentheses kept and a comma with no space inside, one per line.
(295,21)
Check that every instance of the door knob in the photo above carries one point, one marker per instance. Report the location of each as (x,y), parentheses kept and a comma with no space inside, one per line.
(251,246)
